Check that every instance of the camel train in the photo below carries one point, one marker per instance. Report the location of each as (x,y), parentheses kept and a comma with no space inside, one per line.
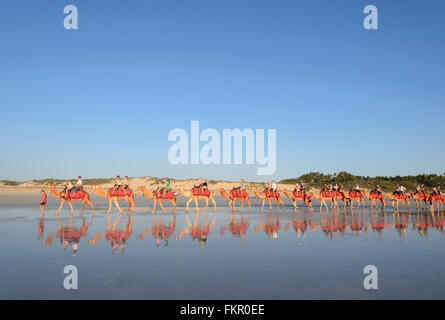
(328,199)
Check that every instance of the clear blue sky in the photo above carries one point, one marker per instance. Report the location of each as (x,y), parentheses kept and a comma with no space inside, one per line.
(101,100)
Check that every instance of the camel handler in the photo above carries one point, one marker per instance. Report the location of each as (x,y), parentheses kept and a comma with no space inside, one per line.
(43,199)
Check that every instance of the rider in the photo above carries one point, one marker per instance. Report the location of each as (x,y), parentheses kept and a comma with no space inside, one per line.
(297,188)
(117,184)
(378,189)
(125,182)
(274,187)
(357,189)
(302,188)
(68,188)
(204,185)
(167,188)
(78,185)
(402,189)
(397,190)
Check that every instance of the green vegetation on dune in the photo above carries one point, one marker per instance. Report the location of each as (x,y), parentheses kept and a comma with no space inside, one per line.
(10,183)
(317,179)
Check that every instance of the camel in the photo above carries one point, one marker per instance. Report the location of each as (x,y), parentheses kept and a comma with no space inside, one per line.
(79,195)
(397,199)
(267,197)
(235,195)
(323,197)
(159,198)
(195,197)
(353,196)
(299,197)
(419,198)
(439,200)
(113,197)
(373,196)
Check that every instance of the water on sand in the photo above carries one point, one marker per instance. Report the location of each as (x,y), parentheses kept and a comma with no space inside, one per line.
(238,255)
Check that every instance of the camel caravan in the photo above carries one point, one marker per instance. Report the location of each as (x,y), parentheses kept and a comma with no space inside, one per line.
(329,195)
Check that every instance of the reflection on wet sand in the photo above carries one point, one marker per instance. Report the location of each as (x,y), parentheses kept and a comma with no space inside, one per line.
(159,230)
(199,227)
(197,231)
(117,237)
(67,234)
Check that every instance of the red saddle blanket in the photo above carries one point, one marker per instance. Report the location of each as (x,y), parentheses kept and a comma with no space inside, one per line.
(421,195)
(165,195)
(299,195)
(355,194)
(76,195)
(437,197)
(200,192)
(271,194)
(375,195)
(239,194)
(329,194)
(402,196)
(120,192)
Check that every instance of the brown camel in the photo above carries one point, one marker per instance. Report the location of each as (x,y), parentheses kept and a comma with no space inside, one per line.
(398,200)
(323,198)
(267,197)
(79,195)
(159,198)
(436,199)
(114,196)
(306,198)
(352,196)
(420,198)
(235,195)
(375,196)
(195,197)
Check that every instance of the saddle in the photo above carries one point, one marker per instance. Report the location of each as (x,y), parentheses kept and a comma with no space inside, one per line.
(271,194)
(355,194)
(166,195)
(200,192)
(120,192)
(239,194)
(75,195)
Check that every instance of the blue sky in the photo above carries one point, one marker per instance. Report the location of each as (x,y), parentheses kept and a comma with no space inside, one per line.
(101,100)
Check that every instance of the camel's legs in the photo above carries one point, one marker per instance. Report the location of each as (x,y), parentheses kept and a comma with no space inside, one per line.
(248,202)
(187,205)
(295,205)
(162,207)
(155,202)
(196,204)
(174,205)
(282,204)
(207,205)
(214,203)
(117,205)
(262,206)
(60,208)
(71,206)
(270,205)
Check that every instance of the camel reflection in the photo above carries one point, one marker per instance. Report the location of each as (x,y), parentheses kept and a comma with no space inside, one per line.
(333,224)
(67,234)
(117,237)
(159,230)
(270,224)
(196,231)
(237,228)
(300,226)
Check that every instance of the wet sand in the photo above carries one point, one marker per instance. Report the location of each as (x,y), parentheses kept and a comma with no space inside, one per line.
(279,255)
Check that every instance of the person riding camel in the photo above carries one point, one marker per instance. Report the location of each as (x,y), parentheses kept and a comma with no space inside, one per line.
(68,188)
(397,190)
(378,190)
(167,188)
(402,190)
(125,183)
(297,188)
(160,189)
(78,186)
(418,189)
(204,185)
(274,187)
(117,184)
(302,188)
(357,189)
